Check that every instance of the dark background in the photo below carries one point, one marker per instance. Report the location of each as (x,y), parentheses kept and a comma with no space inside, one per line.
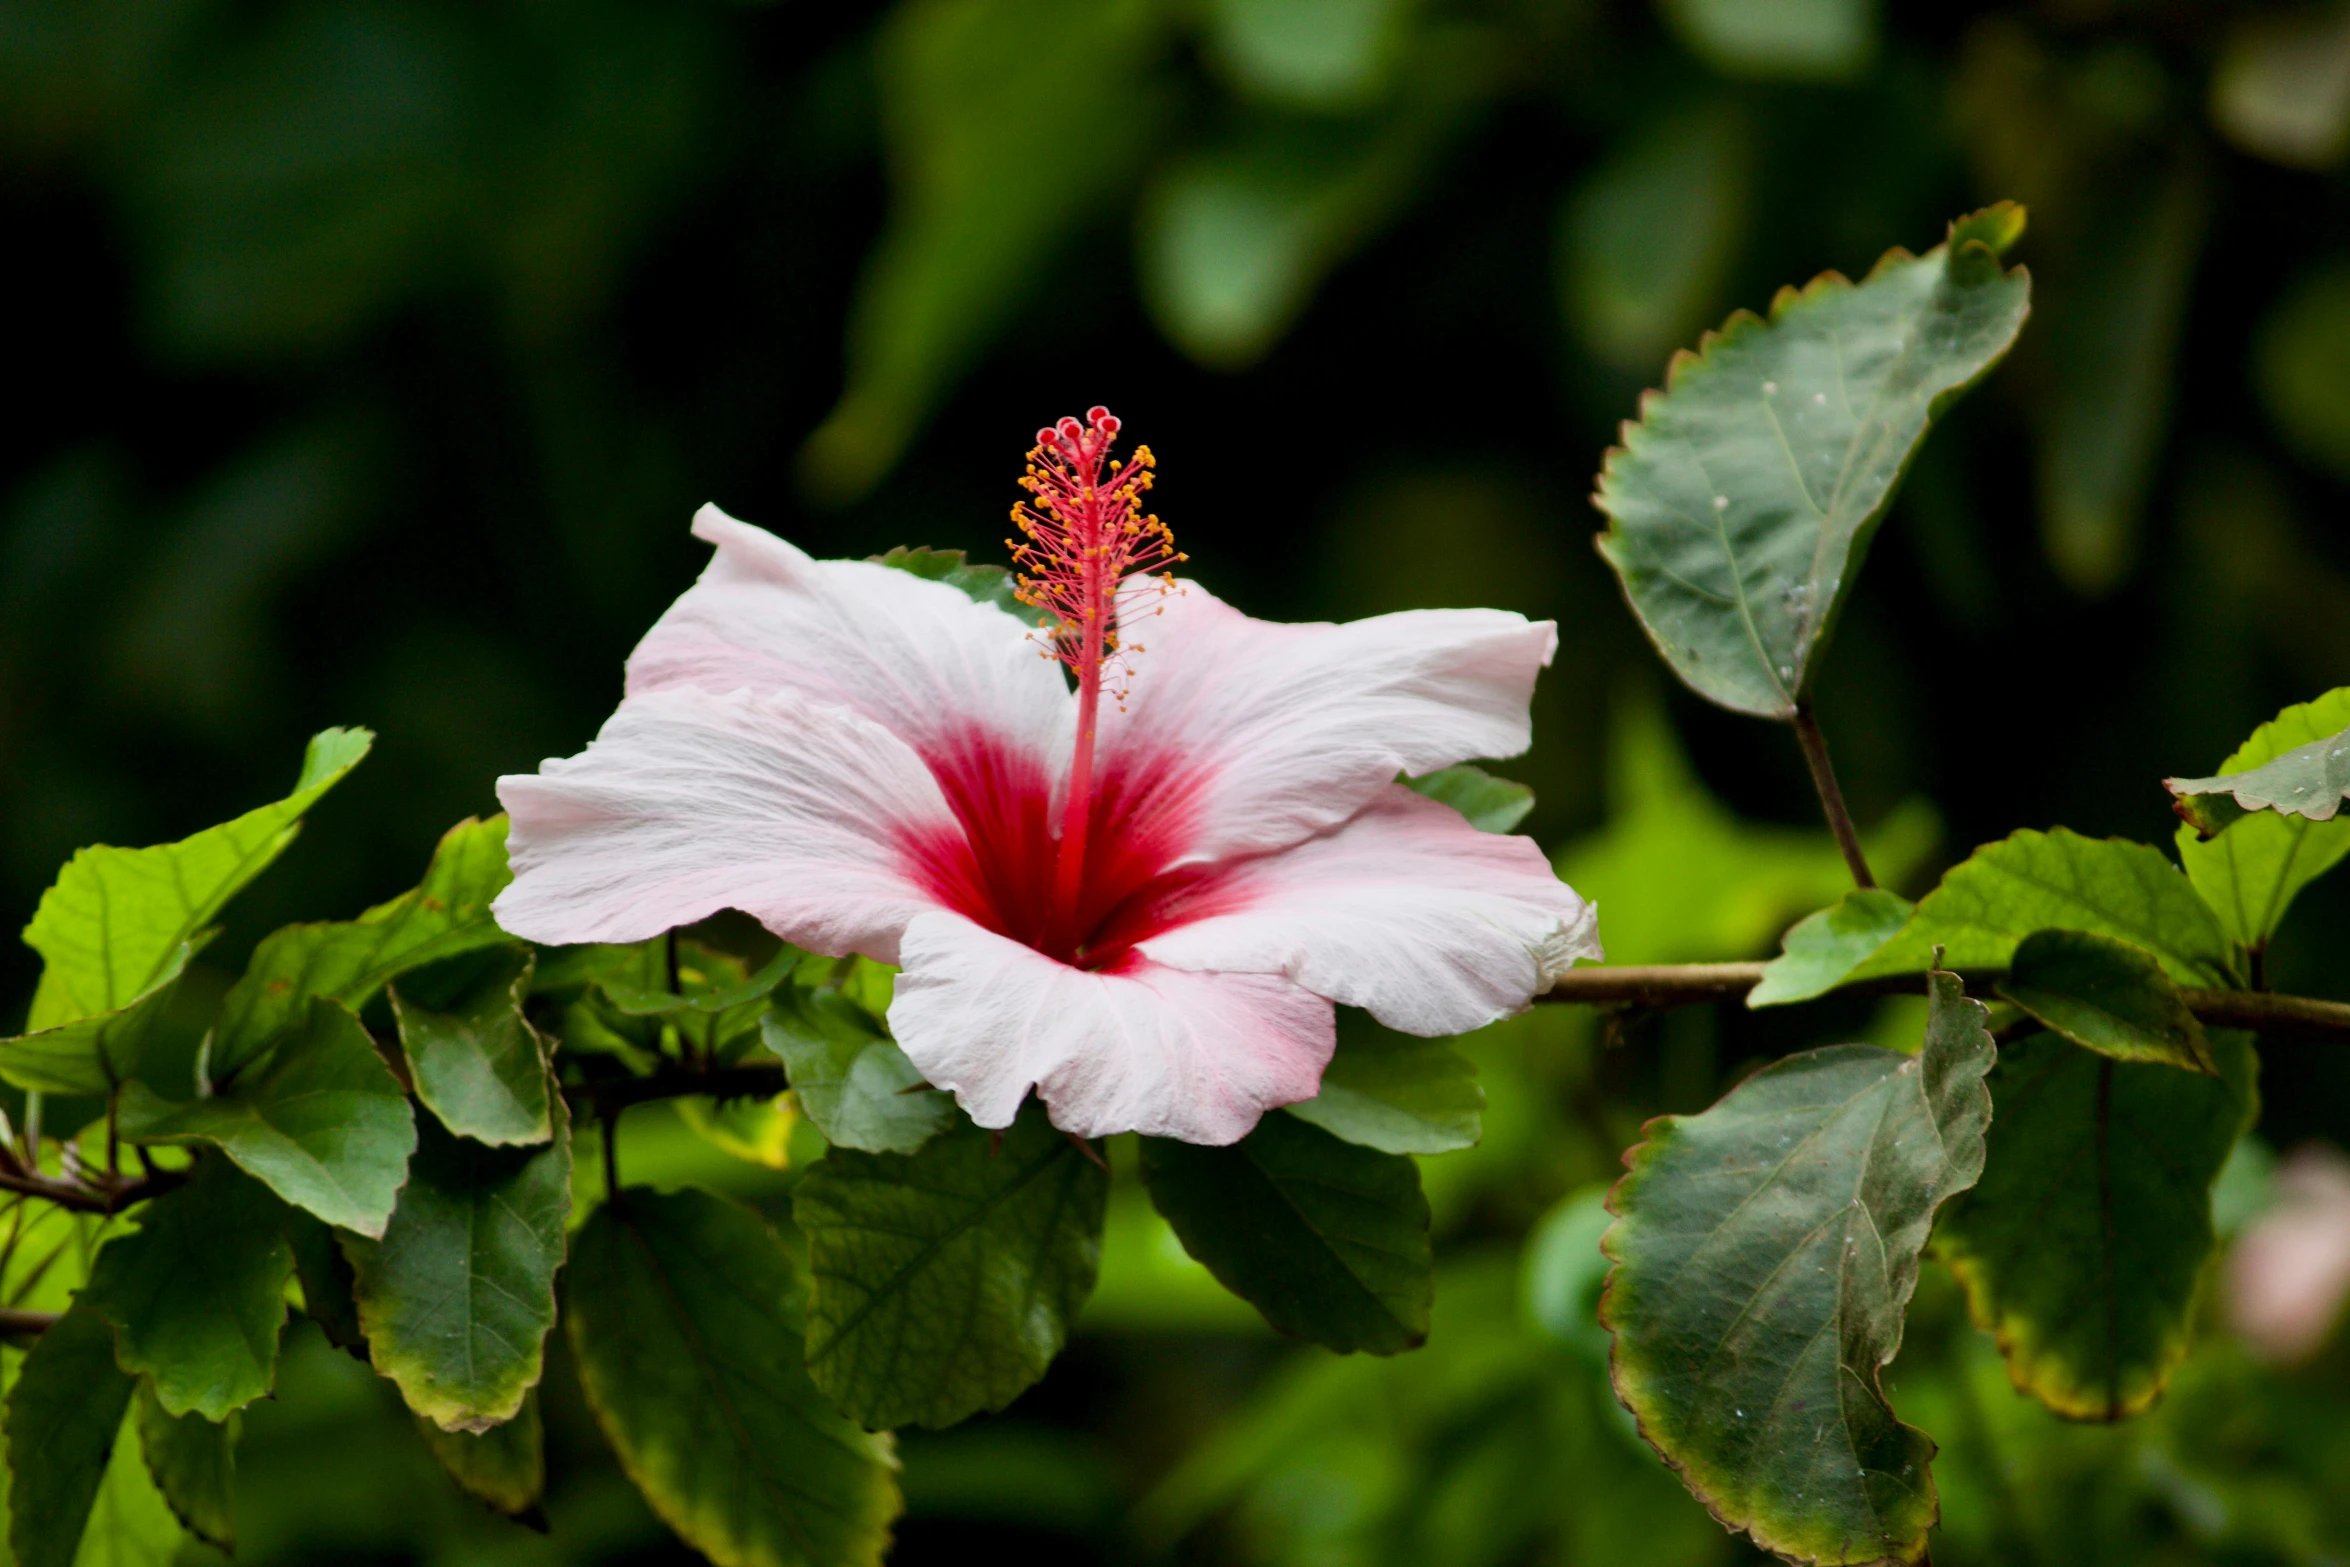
(371,359)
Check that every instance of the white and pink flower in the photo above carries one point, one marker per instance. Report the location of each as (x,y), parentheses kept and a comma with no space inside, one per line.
(1142,909)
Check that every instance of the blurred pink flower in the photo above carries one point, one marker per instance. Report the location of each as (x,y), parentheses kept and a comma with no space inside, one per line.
(1143,909)
(2289,1273)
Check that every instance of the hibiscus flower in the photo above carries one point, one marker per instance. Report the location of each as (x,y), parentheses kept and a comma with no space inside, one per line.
(1135,888)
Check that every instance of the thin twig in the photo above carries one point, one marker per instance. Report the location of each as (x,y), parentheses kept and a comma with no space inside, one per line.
(612,1153)
(91,1197)
(26,1323)
(1692,984)
(606,1096)
(1823,779)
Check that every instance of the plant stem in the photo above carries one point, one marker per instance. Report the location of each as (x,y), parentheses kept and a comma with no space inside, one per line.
(1823,779)
(110,1198)
(25,1323)
(612,1152)
(1690,984)
(611,1095)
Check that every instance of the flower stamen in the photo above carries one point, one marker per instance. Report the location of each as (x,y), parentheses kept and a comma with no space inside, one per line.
(1086,552)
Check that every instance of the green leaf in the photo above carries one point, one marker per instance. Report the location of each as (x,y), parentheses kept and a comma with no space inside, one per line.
(446,914)
(115,921)
(1799,40)
(850,1078)
(2308,781)
(326,1279)
(1327,1239)
(1491,804)
(2085,1244)
(1311,54)
(2059,881)
(945,1280)
(2251,872)
(2114,317)
(978,97)
(1236,237)
(1744,499)
(1822,949)
(1764,1255)
(1646,240)
(323,1122)
(478,1064)
(982,584)
(196,1295)
(1565,1270)
(457,1298)
(1396,1093)
(63,1416)
(2296,362)
(90,1055)
(193,1462)
(2107,996)
(685,1315)
(506,1466)
(131,1523)
(753,1129)
(2278,90)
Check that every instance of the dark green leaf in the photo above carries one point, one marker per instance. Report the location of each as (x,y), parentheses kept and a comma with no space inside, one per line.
(1647,238)
(2085,1243)
(63,1416)
(851,1079)
(1396,1093)
(326,1280)
(685,1314)
(1320,55)
(945,1280)
(506,1466)
(196,1295)
(636,995)
(194,1465)
(1491,804)
(91,1054)
(131,1522)
(446,914)
(2113,315)
(976,98)
(1237,235)
(1764,1255)
(1744,499)
(983,584)
(2059,881)
(1327,1239)
(2250,873)
(478,1064)
(1822,949)
(323,1122)
(2107,996)
(457,1297)
(116,919)
(1807,40)
(2309,781)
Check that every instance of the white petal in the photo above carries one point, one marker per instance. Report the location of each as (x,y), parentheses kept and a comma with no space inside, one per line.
(1406,910)
(1260,733)
(806,816)
(917,656)
(1149,1049)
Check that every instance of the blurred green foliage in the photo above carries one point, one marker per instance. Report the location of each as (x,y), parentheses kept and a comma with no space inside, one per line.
(375,355)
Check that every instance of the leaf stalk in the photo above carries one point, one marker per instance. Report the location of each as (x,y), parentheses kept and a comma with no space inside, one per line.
(1823,779)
